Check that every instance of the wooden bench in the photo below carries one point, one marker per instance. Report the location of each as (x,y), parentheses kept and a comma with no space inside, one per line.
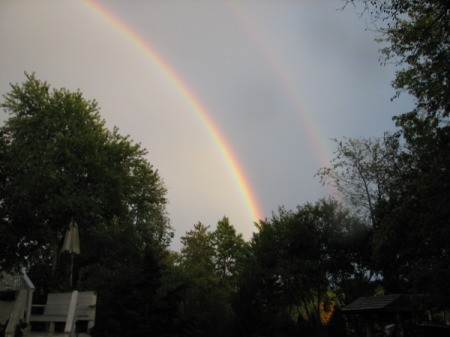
(68,308)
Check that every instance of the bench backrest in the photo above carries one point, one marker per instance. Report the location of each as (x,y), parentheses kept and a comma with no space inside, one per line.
(58,304)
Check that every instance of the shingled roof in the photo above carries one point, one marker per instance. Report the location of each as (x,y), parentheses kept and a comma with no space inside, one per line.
(386,303)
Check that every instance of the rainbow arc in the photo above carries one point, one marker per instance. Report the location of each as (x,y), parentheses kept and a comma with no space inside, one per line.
(224,148)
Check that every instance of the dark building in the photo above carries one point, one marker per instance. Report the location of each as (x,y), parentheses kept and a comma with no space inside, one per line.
(388,315)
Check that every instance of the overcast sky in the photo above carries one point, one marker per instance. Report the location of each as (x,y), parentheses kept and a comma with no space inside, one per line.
(277,78)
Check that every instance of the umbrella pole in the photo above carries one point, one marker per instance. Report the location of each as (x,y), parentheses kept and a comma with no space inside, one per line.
(71,271)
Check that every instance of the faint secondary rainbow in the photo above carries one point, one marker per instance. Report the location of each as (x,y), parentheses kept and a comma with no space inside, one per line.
(225,150)
(269,54)
(308,124)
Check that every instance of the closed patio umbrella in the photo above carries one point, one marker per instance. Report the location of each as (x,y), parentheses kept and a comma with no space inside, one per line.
(72,244)
(72,241)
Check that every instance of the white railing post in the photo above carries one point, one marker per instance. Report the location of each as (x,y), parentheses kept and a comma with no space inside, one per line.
(17,313)
(70,322)
(30,289)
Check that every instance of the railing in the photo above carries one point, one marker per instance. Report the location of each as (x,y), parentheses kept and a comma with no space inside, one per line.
(70,322)
(16,282)
(28,285)
(17,313)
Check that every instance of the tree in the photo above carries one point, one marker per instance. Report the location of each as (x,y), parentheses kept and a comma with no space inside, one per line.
(229,250)
(197,250)
(201,302)
(298,261)
(59,162)
(406,186)
(417,35)
(210,263)
(362,170)
(409,246)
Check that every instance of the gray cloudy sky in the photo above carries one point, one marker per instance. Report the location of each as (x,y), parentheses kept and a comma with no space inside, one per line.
(278,78)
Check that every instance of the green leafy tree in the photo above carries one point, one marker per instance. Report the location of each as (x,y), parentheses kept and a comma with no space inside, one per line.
(297,259)
(409,246)
(59,162)
(197,250)
(210,263)
(417,37)
(201,300)
(408,204)
(229,250)
(361,171)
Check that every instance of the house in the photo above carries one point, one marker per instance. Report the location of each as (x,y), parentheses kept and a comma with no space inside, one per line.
(16,294)
(387,315)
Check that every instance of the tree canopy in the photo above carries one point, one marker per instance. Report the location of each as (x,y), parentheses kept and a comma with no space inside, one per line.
(59,162)
(299,262)
(406,186)
(417,35)
(210,263)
